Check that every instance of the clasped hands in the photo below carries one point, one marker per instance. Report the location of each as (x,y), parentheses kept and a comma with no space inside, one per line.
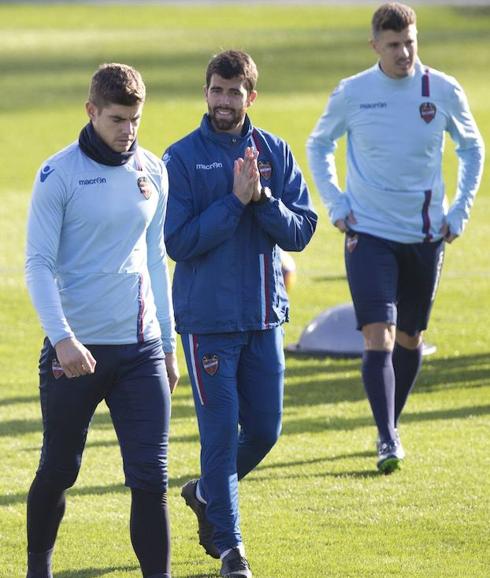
(246,177)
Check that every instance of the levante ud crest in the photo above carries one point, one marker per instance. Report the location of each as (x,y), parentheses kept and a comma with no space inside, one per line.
(210,363)
(428,111)
(265,169)
(144,187)
(56,369)
(351,242)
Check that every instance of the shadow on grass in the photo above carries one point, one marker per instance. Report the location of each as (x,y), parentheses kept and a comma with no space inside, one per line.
(264,467)
(100,421)
(358,475)
(300,463)
(17,427)
(291,427)
(337,384)
(18,400)
(172,74)
(328,278)
(93,572)
(308,425)
(20,497)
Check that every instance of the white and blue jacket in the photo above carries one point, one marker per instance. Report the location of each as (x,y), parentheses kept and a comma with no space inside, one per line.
(228,274)
(395,140)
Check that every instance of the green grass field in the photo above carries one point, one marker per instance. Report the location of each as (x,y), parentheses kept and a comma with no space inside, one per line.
(316,507)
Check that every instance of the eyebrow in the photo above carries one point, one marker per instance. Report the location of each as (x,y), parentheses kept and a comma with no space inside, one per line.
(117,117)
(231,88)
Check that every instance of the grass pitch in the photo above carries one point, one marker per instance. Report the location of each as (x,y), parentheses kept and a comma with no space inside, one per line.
(316,507)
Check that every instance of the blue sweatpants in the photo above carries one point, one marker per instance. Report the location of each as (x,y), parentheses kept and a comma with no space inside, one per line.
(238,386)
(132,379)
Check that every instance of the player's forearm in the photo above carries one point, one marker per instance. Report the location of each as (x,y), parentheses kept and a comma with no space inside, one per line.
(162,296)
(469,177)
(189,238)
(290,227)
(46,300)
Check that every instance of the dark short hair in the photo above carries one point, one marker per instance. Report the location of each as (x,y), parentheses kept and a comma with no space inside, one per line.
(392,16)
(116,84)
(232,64)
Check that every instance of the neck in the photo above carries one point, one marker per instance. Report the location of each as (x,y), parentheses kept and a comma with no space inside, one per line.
(96,149)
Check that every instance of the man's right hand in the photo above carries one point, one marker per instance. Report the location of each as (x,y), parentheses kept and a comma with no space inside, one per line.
(343,225)
(75,359)
(246,177)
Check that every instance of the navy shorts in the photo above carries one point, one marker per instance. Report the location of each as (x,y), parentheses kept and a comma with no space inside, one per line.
(132,379)
(392,282)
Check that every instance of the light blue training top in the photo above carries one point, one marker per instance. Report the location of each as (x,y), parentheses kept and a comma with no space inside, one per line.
(96,265)
(395,139)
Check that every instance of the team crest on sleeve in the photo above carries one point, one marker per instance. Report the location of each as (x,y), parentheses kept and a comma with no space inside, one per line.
(427,111)
(56,369)
(265,169)
(144,187)
(210,363)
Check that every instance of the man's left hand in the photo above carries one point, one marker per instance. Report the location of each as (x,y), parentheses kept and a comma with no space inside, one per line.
(172,370)
(446,233)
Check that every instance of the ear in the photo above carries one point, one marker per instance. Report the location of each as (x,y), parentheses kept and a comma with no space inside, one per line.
(205,91)
(252,97)
(91,110)
(374,45)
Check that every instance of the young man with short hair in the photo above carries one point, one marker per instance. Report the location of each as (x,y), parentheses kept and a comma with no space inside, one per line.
(393,209)
(236,196)
(97,273)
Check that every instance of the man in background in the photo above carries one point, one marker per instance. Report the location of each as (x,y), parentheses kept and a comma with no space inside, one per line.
(393,210)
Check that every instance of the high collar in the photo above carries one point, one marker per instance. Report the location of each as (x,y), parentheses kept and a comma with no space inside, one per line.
(400,82)
(226,138)
(95,148)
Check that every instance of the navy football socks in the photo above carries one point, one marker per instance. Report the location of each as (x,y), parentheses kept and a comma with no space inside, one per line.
(406,364)
(379,382)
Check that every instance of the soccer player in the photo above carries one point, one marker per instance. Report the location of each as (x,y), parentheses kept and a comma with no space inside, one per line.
(393,209)
(97,273)
(236,195)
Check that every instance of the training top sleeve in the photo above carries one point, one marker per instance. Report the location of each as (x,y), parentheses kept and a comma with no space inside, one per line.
(471,154)
(290,219)
(320,148)
(189,234)
(158,269)
(43,234)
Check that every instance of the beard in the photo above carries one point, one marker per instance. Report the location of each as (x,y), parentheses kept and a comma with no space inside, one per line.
(226,124)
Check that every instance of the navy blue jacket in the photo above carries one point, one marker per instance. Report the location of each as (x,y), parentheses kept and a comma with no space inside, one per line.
(228,271)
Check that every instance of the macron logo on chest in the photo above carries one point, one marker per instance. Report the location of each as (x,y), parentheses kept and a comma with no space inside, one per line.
(203,167)
(96,181)
(373,105)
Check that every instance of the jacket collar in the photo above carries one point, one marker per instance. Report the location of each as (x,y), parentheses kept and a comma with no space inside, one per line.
(224,138)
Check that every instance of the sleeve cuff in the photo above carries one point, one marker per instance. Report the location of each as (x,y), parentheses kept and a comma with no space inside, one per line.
(234,204)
